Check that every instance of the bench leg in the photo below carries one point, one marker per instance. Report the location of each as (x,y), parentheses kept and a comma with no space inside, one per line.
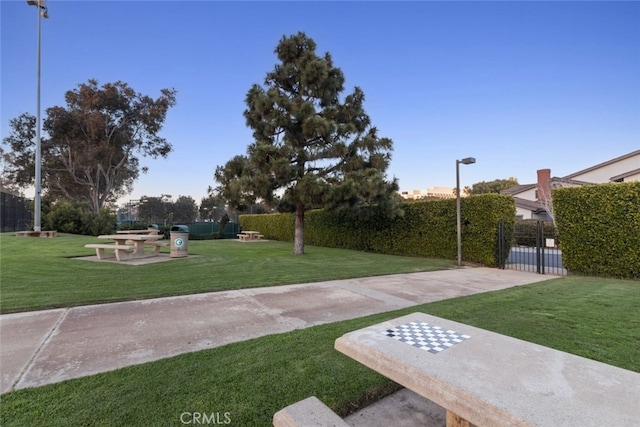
(124,254)
(102,254)
(156,250)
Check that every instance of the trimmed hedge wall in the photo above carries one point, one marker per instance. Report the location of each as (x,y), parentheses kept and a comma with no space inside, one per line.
(599,227)
(426,229)
(527,229)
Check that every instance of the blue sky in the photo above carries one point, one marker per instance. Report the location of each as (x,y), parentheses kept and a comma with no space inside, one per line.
(519,85)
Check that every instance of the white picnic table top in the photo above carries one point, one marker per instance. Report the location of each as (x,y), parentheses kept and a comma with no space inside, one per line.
(491,379)
(120,237)
(147,231)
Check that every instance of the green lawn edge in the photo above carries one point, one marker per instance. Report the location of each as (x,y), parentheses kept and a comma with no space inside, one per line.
(39,273)
(251,380)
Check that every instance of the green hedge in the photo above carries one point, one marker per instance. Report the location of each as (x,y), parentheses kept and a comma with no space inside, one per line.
(527,229)
(599,227)
(77,218)
(426,229)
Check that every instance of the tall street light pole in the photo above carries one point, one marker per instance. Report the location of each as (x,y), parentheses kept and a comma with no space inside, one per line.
(465,161)
(42,13)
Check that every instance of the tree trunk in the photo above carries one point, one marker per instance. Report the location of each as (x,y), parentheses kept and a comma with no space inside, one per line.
(298,237)
(223,223)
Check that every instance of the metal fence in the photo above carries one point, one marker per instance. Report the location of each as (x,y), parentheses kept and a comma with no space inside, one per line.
(533,247)
(14,213)
(207,230)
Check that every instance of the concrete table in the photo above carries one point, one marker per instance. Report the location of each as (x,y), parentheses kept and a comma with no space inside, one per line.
(487,379)
(123,243)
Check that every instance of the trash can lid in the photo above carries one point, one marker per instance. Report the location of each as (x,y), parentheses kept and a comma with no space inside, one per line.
(181,228)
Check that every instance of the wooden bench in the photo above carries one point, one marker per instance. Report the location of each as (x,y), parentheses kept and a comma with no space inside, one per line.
(487,379)
(102,247)
(310,412)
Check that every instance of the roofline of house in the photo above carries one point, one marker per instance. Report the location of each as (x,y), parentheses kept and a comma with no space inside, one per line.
(624,175)
(535,207)
(608,162)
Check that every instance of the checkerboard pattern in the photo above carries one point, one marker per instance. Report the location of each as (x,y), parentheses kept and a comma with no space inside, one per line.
(425,336)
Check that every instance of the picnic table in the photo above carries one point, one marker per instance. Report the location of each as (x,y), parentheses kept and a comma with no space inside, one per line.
(487,379)
(250,235)
(127,246)
(146,231)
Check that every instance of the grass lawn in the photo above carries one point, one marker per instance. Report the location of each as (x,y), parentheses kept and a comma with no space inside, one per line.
(251,380)
(42,273)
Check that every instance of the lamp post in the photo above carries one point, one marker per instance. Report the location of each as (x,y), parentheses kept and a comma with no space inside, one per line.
(465,161)
(42,13)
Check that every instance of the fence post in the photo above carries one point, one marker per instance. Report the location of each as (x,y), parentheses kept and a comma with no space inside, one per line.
(538,245)
(543,244)
(501,245)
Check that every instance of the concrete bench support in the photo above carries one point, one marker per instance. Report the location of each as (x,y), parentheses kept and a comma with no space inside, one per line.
(118,250)
(156,246)
(483,378)
(310,412)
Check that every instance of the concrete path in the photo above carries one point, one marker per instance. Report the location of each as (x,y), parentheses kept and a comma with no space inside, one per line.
(44,347)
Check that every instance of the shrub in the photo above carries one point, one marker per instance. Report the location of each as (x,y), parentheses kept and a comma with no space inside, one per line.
(526,230)
(77,218)
(427,228)
(600,228)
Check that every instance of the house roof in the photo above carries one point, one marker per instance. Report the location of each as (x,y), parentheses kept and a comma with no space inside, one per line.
(530,205)
(624,175)
(608,162)
(517,189)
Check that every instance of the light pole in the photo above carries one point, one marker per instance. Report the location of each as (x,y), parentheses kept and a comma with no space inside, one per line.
(42,13)
(465,161)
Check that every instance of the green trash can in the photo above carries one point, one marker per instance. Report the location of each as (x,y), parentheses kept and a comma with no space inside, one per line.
(179,241)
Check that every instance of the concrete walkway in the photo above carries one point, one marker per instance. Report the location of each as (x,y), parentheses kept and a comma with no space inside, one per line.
(44,347)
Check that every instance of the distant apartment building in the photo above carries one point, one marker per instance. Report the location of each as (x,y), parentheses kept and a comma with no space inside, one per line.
(430,193)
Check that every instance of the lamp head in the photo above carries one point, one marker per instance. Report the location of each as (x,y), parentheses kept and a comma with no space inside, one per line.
(41,7)
(468,160)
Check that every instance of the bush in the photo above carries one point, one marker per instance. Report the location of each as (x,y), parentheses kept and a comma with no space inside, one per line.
(600,228)
(427,228)
(77,218)
(526,230)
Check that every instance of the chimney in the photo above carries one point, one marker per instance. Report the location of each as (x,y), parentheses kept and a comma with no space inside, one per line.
(543,192)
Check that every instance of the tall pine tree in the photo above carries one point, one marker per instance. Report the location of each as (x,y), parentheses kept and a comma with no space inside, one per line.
(312,148)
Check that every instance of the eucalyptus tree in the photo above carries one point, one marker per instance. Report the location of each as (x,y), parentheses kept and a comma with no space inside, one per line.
(313,147)
(92,148)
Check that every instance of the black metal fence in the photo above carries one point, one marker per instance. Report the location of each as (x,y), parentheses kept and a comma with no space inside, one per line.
(533,247)
(14,213)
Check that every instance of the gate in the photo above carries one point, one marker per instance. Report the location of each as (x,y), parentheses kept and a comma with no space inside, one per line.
(534,248)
